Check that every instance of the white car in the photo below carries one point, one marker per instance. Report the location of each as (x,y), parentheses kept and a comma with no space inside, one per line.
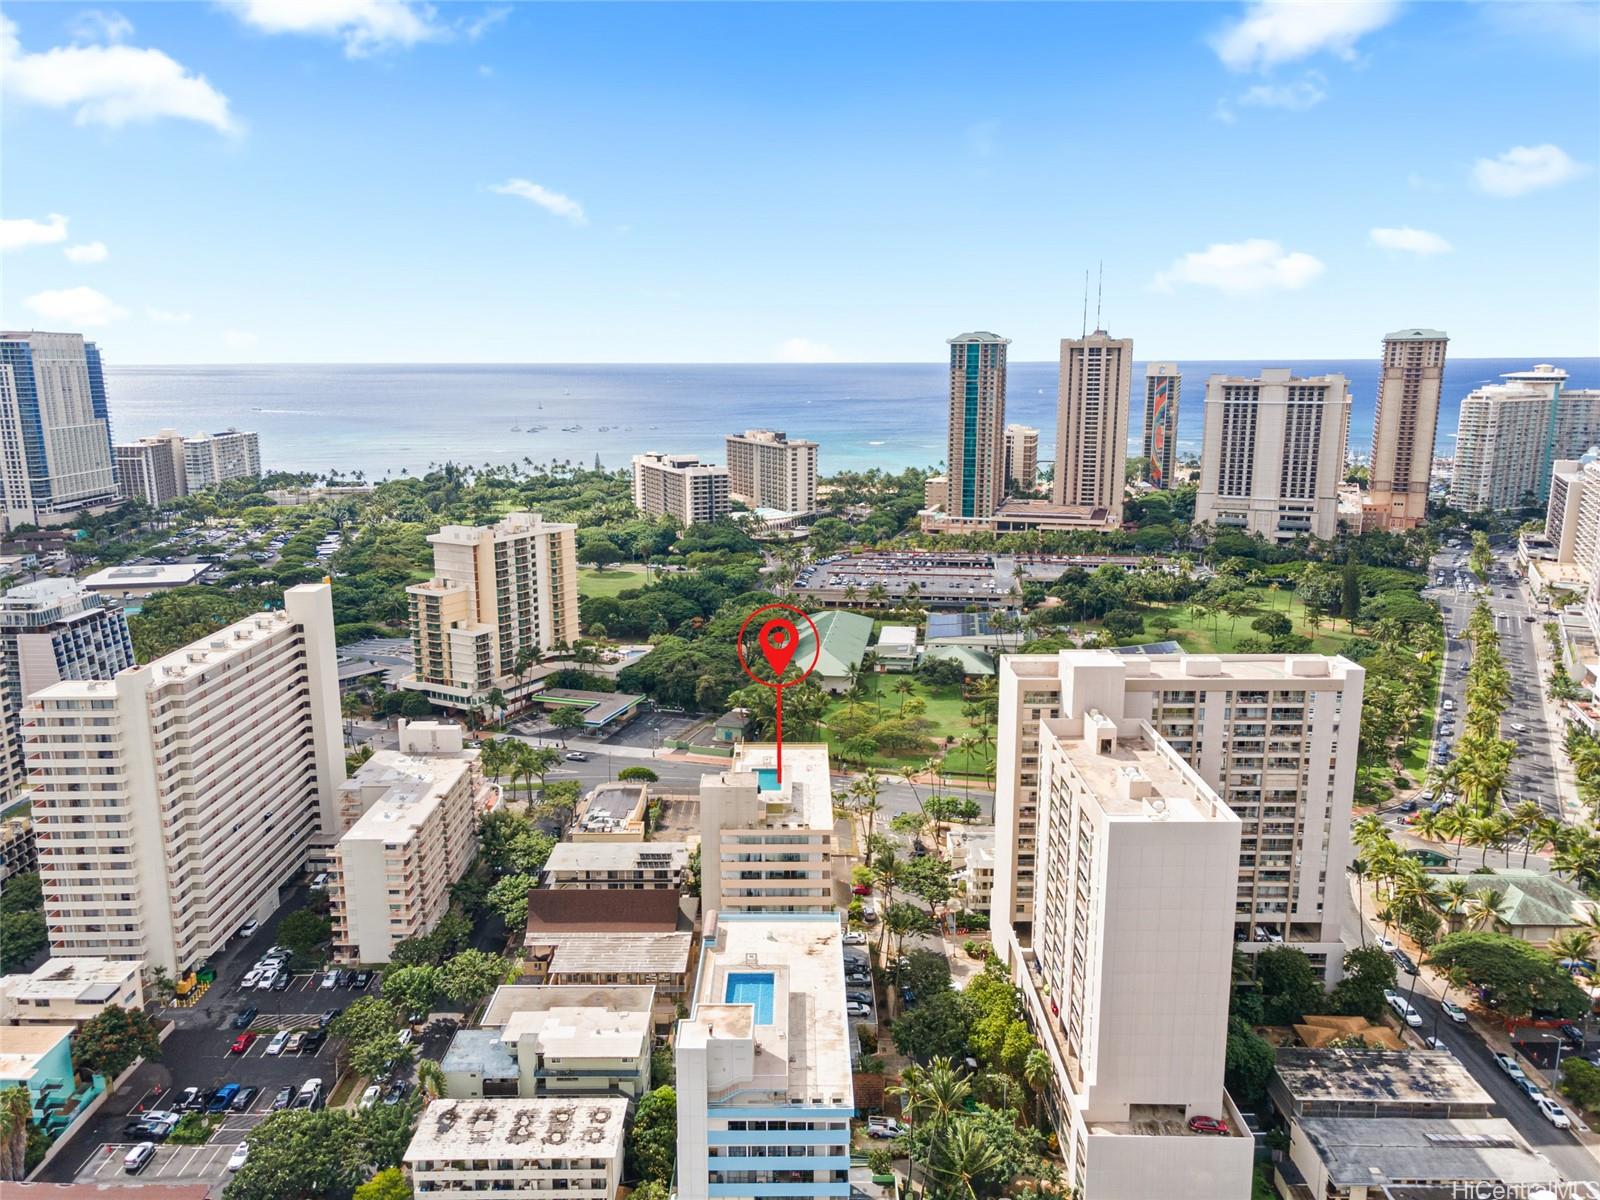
(404,1037)
(1518,727)
(251,978)
(268,978)
(1553,1112)
(1455,1012)
(248,928)
(278,1042)
(857,1010)
(330,981)
(369,1097)
(1402,1008)
(1435,1043)
(1387,945)
(884,1127)
(240,1153)
(855,938)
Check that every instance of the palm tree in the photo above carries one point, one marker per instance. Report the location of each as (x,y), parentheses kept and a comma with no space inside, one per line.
(430,1078)
(1572,945)
(904,688)
(1486,909)
(1529,818)
(16,1118)
(1451,899)
(1037,1074)
(961,1158)
(1358,871)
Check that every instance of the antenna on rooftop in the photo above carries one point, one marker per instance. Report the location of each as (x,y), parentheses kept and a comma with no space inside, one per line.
(1085,332)
(1099,292)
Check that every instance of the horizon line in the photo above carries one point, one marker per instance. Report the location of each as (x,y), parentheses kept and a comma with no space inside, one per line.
(495,362)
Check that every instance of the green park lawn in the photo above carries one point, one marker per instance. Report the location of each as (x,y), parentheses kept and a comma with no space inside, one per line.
(1220,635)
(943,713)
(613,580)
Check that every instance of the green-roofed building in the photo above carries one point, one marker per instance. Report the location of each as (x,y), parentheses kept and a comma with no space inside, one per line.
(844,641)
(972,660)
(1536,908)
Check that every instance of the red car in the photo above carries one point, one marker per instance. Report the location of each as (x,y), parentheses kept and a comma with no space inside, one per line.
(242,1042)
(862,889)
(1207,1125)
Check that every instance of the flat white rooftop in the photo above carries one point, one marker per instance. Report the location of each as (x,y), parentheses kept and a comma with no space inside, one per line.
(580,1032)
(411,785)
(806,786)
(542,1127)
(1132,771)
(780,977)
(85,979)
(146,575)
(618,856)
(1298,668)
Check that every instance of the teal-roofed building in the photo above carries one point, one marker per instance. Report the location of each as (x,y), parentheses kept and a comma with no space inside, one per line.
(39,1058)
(1536,908)
(844,643)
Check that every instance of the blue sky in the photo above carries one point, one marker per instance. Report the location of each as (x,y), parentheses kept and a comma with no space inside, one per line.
(355,181)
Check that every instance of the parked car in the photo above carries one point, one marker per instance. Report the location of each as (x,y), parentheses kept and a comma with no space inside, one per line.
(1518,727)
(310,1092)
(278,1042)
(282,982)
(1207,1125)
(248,928)
(251,978)
(242,1043)
(313,1041)
(1403,961)
(855,938)
(245,1098)
(576,756)
(1573,1034)
(859,997)
(237,1158)
(855,1009)
(1455,1012)
(268,978)
(283,1099)
(139,1157)
(1402,1008)
(328,1017)
(320,883)
(1387,944)
(1509,1065)
(1532,1088)
(222,1099)
(404,1037)
(369,1097)
(330,981)
(186,1099)
(345,976)
(242,1018)
(1553,1112)
(296,1040)
(884,1127)
(397,1092)
(361,980)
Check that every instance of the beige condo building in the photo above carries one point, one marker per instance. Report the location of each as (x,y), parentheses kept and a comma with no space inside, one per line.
(1092,422)
(411,830)
(152,469)
(768,470)
(1163,386)
(975,454)
(498,593)
(1273,455)
(767,846)
(1511,435)
(680,486)
(1022,459)
(173,801)
(1126,969)
(1404,428)
(1275,735)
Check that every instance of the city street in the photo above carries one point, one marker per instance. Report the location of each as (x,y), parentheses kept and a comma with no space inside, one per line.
(1533,770)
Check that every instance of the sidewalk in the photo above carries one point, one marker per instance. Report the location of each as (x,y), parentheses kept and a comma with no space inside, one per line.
(1566,782)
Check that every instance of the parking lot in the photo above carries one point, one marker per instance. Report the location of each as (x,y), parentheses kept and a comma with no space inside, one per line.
(171,1164)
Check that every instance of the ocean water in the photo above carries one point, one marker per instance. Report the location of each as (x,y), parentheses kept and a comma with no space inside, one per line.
(391,420)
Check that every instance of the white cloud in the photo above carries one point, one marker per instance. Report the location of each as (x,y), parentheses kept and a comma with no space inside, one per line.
(75,308)
(238,339)
(1305,92)
(1412,241)
(87,252)
(167,316)
(804,350)
(18,232)
(109,84)
(1523,169)
(1238,268)
(551,202)
(97,26)
(365,26)
(486,21)
(1279,31)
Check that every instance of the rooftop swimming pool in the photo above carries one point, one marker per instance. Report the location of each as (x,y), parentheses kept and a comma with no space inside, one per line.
(752,987)
(766,779)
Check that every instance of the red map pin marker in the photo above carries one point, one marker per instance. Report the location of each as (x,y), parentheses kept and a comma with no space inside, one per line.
(779,640)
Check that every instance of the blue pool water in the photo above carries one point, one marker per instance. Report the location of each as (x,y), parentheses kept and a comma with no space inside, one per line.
(766,779)
(752,987)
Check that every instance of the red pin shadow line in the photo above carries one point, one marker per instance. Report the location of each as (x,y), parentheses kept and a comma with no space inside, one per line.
(779,638)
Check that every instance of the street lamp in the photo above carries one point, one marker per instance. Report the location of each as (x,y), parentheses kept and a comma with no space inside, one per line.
(1555,1073)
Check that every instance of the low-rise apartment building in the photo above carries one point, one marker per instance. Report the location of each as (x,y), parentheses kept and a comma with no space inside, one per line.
(70,991)
(763,1080)
(415,835)
(631,866)
(611,812)
(546,1145)
(172,802)
(681,486)
(606,937)
(19,848)
(767,843)
(572,1040)
(972,857)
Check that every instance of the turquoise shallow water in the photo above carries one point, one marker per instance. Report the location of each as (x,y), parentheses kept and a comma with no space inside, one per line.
(386,420)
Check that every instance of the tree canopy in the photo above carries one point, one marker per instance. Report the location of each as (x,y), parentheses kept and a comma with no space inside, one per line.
(1515,978)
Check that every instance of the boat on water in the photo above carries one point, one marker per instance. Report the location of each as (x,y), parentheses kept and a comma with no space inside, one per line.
(516,429)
